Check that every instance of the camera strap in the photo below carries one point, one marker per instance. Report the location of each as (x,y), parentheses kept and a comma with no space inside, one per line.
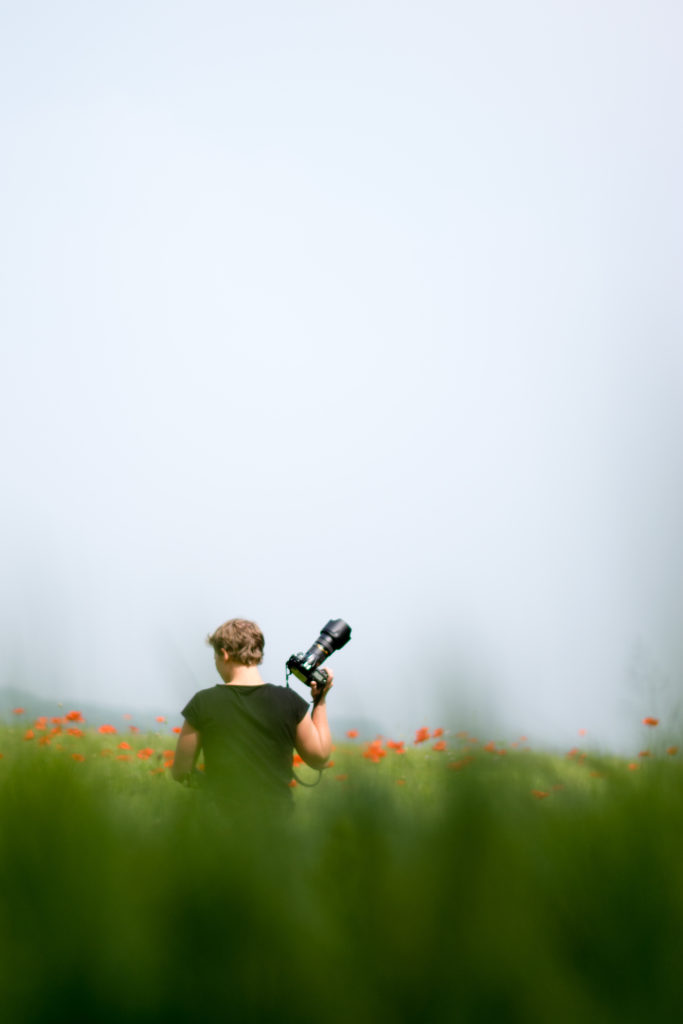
(308,785)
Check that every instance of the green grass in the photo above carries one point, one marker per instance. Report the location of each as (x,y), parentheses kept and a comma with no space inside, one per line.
(457,891)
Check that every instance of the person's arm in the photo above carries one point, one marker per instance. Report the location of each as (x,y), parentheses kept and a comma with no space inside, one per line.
(313,740)
(186,753)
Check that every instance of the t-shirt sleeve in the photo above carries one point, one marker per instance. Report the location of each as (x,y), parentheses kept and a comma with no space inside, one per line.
(192,712)
(299,706)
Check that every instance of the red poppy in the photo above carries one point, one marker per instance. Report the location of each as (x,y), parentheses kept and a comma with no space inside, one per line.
(490,746)
(74,716)
(644,753)
(441,745)
(176,728)
(540,794)
(160,718)
(123,757)
(341,778)
(396,745)
(28,735)
(44,740)
(123,745)
(422,735)
(107,729)
(672,750)
(633,766)
(145,753)
(134,729)
(582,732)
(75,732)
(293,783)
(297,760)
(18,711)
(400,782)
(78,757)
(437,732)
(352,733)
(650,721)
(373,752)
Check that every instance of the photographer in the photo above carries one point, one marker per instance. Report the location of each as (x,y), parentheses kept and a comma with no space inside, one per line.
(248,728)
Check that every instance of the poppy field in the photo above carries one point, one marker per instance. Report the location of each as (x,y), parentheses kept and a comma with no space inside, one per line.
(441,876)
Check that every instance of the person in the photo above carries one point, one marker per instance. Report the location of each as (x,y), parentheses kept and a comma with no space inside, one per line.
(247,728)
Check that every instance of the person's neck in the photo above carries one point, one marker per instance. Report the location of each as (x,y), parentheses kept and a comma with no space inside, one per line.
(244,675)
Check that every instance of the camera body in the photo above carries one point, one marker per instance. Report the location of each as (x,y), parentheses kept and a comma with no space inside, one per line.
(306,667)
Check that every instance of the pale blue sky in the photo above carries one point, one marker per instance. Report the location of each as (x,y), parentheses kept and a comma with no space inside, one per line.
(368,310)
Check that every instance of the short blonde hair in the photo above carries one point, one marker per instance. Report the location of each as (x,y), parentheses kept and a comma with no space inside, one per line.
(242,639)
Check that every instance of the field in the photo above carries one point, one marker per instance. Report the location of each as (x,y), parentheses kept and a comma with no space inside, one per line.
(445,877)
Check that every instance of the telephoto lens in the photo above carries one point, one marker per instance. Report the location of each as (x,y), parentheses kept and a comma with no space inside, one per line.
(334,635)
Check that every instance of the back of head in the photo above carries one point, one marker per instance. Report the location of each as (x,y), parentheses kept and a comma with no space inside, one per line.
(242,639)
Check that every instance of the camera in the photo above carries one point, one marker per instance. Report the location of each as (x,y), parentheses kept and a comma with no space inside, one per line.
(306,667)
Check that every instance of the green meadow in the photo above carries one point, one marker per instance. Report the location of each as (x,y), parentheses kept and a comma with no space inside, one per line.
(452,878)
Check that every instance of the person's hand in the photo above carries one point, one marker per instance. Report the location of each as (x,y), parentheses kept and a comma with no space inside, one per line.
(320,692)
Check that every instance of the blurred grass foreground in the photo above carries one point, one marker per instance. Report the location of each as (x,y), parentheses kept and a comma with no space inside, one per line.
(444,880)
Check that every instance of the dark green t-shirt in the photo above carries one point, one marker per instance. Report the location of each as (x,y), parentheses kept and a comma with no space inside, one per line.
(248,735)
